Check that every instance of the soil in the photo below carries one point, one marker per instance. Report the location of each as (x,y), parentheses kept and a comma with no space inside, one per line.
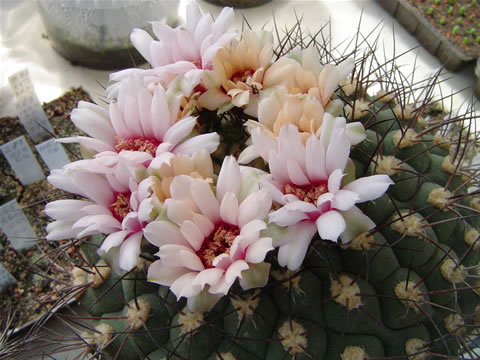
(461,27)
(43,271)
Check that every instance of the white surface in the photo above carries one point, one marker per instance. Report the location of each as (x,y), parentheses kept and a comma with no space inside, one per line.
(23,46)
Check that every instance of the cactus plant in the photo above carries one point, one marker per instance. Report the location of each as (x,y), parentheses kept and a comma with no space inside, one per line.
(394,277)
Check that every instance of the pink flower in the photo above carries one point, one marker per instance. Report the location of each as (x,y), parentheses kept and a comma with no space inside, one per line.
(184,51)
(209,239)
(112,207)
(138,126)
(306,180)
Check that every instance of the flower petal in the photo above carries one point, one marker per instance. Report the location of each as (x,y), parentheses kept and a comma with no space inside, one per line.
(257,251)
(330,225)
(113,240)
(176,255)
(229,208)
(208,142)
(229,178)
(370,187)
(180,130)
(285,217)
(129,252)
(293,252)
(192,233)
(256,276)
(205,200)
(235,271)
(182,286)
(163,274)
(161,232)
(357,223)
(338,151)
(344,200)
(315,159)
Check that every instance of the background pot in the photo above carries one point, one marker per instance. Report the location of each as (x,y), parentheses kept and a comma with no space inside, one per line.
(96,33)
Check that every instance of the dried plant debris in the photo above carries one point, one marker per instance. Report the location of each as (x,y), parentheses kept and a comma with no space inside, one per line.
(41,272)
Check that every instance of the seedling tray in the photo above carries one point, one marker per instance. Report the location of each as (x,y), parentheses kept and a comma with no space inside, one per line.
(429,36)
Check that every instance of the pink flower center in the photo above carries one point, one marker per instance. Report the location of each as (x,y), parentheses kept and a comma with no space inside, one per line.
(137,144)
(309,193)
(121,206)
(217,243)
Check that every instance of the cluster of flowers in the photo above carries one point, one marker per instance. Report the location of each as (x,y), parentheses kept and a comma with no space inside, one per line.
(148,178)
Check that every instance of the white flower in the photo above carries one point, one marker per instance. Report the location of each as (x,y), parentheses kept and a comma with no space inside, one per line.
(306,181)
(210,239)
(303,111)
(112,207)
(138,126)
(181,52)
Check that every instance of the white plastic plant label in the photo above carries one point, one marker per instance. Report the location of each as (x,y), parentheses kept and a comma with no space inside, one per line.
(16,226)
(28,107)
(22,161)
(53,154)
(20,83)
(6,279)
